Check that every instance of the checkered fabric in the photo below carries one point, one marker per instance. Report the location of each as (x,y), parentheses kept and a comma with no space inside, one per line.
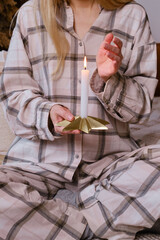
(122,200)
(147,237)
(28,90)
(114,183)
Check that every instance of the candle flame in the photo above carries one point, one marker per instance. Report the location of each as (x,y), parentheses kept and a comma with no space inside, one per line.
(85,62)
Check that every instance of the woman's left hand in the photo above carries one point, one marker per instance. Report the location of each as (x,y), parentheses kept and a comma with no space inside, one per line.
(109,57)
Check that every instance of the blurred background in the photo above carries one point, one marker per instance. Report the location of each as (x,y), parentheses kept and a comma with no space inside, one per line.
(153,10)
(7,10)
(9,7)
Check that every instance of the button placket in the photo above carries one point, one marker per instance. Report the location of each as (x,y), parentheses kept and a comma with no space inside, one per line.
(76,156)
(78,148)
(81,51)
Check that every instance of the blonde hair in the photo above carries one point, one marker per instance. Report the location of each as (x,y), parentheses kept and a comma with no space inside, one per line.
(49,10)
(112,4)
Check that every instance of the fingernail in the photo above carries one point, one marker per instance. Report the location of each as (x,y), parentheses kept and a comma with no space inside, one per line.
(70,118)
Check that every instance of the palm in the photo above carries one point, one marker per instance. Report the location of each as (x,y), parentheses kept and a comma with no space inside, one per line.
(106,66)
(109,56)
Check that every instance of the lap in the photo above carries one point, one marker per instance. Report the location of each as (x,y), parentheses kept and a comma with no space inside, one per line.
(116,190)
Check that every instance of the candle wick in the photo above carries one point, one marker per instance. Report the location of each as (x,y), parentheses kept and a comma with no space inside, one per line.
(85,68)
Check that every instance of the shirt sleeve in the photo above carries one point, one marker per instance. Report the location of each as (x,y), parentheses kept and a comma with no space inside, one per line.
(128,96)
(27,109)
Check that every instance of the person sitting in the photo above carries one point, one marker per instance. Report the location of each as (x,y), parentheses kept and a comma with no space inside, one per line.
(58,184)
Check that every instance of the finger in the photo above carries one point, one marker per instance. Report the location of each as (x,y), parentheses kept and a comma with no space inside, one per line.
(118,42)
(108,38)
(114,57)
(65,114)
(58,130)
(59,113)
(61,132)
(112,49)
(72,132)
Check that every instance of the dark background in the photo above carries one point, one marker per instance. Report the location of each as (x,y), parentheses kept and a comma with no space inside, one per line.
(8,8)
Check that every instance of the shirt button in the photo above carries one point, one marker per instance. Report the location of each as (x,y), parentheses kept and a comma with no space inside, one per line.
(80,44)
(77,156)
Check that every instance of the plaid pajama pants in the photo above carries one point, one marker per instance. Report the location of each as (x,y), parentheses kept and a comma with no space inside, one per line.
(114,202)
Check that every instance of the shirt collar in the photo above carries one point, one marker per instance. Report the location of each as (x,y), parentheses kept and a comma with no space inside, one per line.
(65,17)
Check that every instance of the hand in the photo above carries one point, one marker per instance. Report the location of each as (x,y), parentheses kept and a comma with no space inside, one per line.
(109,57)
(59,113)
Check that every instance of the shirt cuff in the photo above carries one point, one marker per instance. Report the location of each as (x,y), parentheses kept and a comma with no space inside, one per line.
(97,84)
(44,124)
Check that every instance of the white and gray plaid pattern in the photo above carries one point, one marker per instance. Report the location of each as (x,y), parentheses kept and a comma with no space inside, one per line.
(122,200)
(115,183)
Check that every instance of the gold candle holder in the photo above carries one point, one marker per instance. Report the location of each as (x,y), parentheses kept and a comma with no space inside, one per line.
(84,124)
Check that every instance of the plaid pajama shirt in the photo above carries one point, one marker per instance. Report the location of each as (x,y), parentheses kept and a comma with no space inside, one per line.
(113,182)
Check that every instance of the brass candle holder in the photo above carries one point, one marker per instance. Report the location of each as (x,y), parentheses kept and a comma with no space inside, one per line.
(84,124)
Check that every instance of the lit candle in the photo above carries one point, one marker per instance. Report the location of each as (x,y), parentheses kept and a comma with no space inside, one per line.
(84,90)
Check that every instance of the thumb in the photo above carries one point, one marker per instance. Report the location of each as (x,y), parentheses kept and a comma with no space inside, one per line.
(66,114)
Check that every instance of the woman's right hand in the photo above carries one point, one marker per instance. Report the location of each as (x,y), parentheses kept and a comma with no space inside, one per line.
(59,113)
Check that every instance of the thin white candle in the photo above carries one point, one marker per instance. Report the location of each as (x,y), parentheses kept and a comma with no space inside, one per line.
(84,90)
